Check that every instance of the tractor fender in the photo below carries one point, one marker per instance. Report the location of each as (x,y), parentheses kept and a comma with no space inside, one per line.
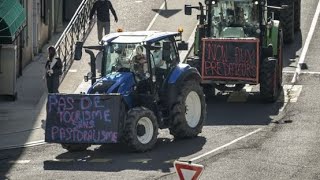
(180,74)
(272,39)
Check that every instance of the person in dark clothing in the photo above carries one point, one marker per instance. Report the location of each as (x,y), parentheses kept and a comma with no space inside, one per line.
(102,7)
(53,70)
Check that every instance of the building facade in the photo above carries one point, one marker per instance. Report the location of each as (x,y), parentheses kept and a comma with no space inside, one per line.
(25,26)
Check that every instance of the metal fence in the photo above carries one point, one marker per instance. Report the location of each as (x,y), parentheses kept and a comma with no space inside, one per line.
(78,29)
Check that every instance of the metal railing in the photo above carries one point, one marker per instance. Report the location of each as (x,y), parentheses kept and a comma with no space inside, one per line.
(78,29)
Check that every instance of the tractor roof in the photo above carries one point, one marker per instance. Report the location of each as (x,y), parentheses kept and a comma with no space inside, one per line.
(137,37)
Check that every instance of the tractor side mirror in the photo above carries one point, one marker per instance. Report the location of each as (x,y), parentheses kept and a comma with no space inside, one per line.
(88,76)
(183,46)
(166,51)
(78,50)
(187,9)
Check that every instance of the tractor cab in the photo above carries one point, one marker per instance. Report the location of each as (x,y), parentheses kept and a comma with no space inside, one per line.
(234,19)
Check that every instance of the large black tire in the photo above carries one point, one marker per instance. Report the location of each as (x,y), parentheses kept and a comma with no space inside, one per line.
(269,80)
(75,147)
(286,17)
(287,22)
(297,15)
(188,111)
(141,129)
(209,90)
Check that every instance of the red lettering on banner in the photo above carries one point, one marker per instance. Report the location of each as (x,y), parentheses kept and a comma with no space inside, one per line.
(224,59)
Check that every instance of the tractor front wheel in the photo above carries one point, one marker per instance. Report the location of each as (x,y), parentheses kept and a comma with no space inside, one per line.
(270,85)
(188,111)
(141,129)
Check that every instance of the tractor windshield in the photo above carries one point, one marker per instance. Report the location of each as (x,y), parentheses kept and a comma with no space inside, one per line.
(234,18)
(123,56)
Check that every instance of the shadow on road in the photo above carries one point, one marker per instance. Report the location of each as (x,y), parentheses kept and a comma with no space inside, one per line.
(251,112)
(7,160)
(290,50)
(115,158)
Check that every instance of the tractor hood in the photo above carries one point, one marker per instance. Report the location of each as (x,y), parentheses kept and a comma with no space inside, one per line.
(116,82)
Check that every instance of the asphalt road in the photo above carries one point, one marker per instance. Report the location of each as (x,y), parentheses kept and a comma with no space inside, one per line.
(283,143)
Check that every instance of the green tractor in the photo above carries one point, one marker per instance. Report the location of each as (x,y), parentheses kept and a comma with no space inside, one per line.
(239,42)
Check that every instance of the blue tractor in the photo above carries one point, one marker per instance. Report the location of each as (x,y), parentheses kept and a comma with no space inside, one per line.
(157,90)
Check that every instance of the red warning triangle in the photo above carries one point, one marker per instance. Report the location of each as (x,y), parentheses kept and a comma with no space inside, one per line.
(188,171)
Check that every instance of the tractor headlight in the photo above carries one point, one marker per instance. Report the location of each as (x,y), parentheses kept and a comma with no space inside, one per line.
(258,31)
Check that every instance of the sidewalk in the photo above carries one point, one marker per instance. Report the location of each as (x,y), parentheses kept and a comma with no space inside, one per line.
(21,120)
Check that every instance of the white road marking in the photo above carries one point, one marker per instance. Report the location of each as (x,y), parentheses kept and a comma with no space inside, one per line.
(73,70)
(226,145)
(155,17)
(305,72)
(307,43)
(19,162)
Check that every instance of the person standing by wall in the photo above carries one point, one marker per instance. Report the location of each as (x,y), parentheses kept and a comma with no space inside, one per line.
(53,70)
(102,7)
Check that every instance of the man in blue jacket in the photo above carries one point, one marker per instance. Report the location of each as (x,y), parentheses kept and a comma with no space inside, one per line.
(102,7)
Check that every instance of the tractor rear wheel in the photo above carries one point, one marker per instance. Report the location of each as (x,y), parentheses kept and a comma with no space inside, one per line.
(188,111)
(287,17)
(75,147)
(287,20)
(270,85)
(297,15)
(141,129)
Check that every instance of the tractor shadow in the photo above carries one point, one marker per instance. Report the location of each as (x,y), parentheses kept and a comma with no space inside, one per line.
(250,110)
(290,51)
(116,157)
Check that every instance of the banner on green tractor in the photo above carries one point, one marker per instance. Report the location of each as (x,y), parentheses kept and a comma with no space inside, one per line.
(83,118)
(230,59)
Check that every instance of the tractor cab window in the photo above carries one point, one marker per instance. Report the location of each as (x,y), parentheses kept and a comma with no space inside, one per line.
(234,19)
(118,56)
(156,54)
(125,57)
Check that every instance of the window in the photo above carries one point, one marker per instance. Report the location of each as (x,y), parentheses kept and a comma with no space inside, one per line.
(44,11)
